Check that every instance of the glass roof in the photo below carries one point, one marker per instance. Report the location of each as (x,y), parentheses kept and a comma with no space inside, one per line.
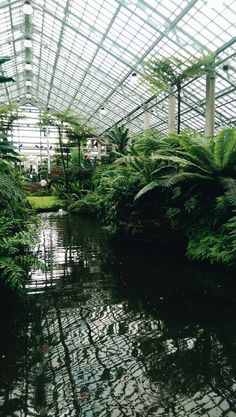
(84,53)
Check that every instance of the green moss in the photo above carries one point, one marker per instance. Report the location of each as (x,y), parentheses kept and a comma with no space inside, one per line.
(45,203)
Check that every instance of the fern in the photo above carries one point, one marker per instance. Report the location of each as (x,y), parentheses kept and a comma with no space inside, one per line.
(12,273)
(151,186)
(230,189)
(180,178)
(224,145)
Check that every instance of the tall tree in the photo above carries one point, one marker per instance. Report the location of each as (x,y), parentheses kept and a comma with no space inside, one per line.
(78,133)
(169,74)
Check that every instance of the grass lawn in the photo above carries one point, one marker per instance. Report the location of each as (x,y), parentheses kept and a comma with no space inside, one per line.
(45,203)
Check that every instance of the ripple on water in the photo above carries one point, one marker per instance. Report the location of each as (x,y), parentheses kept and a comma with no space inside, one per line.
(99,348)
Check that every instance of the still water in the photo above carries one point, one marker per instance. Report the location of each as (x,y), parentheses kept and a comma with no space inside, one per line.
(117,330)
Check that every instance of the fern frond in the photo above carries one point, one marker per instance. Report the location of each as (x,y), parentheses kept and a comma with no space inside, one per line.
(147,189)
(169,181)
(229,185)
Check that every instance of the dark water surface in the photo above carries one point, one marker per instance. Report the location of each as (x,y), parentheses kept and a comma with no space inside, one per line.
(117,330)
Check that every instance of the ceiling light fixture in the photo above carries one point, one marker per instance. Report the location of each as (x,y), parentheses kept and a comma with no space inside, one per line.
(28,66)
(134,78)
(28,83)
(102,111)
(27,8)
(28,43)
(28,95)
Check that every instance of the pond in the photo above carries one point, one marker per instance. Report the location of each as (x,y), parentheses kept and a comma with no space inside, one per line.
(117,329)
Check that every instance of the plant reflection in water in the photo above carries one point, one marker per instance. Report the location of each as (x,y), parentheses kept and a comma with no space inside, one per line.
(117,330)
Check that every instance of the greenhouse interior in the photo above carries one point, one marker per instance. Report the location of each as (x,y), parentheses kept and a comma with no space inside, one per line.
(118,208)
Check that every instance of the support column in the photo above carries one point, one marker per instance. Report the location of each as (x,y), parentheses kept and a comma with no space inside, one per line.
(128,126)
(210,104)
(99,154)
(48,152)
(171,113)
(146,120)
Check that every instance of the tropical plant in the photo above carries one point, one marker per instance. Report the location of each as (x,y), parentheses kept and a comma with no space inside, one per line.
(195,160)
(16,238)
(119,136)
(149,141)
(16,258)
(8,114)
(230,195)
(78,134)
(4,79)
(166,74)
(60,120)
(12,198)
(7,149)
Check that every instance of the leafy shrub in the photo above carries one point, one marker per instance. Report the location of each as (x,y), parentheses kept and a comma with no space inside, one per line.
(213,247)
(90,204)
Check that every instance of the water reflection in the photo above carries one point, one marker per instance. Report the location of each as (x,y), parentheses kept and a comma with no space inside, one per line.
(114,332)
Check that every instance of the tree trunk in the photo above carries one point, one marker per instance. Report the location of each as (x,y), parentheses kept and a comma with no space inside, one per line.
(171,113)
(62,158)
(210,104)
(79,151)
(179,106)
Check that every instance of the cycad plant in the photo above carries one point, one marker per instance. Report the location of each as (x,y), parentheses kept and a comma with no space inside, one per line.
(230,195)
(119,136)
(197,159)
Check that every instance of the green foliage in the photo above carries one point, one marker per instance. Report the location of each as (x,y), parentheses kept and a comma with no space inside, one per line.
(210,246)
(7,150)
(115,187)
(90,204)
(78,132)
(180,187)
(119,136)
(163,73)
(231,226)
(8,114)
(12,197)
(197,159)
(148,142)
(15,256)
(16,236)
(199,177)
